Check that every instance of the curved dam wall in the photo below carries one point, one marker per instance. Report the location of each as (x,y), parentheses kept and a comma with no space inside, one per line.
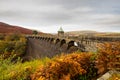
(39,47)
(48,47)
(42,46)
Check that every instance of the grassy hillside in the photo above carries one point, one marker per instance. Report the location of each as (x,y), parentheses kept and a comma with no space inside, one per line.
(6,28)
(93,33)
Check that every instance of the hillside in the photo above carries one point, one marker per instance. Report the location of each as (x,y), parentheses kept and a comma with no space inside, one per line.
(94,33)
(6,28)
(86,32)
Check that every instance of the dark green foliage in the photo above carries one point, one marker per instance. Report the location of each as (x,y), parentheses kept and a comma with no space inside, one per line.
(35,32)
(14,44)
(2,36)
(13,37)
(6,46)
(20,47)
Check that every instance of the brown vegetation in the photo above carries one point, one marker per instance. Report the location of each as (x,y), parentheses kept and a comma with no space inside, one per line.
(108,57)
(66,67)
(6,28)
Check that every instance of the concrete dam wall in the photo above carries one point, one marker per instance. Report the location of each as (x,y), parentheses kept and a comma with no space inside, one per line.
(46,46)
(39,48)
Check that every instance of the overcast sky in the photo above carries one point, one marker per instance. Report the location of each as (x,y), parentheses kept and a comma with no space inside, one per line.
(49,15)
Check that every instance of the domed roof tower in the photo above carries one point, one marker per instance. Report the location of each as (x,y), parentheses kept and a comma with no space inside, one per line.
(60,32)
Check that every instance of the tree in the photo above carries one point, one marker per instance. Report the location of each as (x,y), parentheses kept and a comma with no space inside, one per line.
(35,32)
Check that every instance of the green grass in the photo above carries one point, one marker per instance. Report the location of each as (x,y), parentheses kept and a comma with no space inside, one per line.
(19,71)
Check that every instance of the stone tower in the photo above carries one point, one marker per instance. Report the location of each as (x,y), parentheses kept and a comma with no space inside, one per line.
(60,32)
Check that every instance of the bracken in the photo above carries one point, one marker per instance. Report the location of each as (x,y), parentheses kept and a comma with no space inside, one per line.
(65,67)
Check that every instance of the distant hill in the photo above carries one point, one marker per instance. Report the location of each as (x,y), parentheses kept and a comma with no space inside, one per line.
(6,28)
(94,33)
(86,32)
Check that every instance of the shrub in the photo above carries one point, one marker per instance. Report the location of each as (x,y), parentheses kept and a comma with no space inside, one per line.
(6,46)
(107,56)
(18,71)
(2,36)
(66,67)
(13,37)
(16,45)
(19,48)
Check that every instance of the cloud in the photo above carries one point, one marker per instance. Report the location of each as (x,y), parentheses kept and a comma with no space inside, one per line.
(109,20)
(71,14)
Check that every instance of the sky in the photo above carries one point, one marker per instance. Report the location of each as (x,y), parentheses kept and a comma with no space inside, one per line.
(49,15)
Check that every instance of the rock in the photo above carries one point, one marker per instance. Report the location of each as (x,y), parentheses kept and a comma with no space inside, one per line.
(107,75)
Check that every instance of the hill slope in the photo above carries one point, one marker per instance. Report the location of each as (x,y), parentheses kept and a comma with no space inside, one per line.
(6,28)
(85,32)
(94,33)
